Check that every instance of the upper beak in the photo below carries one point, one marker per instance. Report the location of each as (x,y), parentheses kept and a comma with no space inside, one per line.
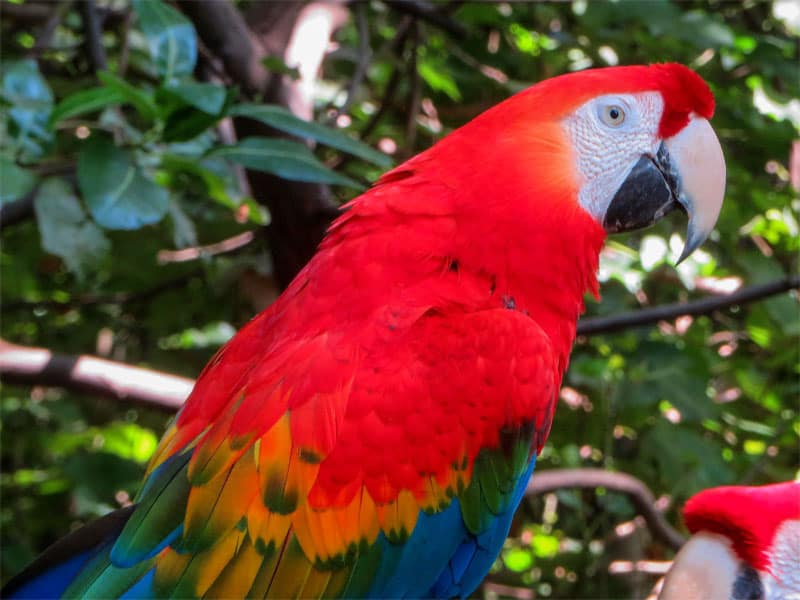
(706,568)
(688,172)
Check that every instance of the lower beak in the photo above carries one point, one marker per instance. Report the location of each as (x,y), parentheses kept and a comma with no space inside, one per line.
(687,173)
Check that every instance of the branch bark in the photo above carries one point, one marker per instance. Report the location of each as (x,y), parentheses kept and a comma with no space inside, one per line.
(704,306)
(639,494)
(224,31)
(39,366)
(92,29)
(430,12)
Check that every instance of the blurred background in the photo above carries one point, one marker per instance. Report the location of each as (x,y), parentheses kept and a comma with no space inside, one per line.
(167,167)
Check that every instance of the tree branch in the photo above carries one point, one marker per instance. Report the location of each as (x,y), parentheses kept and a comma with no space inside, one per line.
(301,211)
(58,374)
(223,30)
(12,213)
(430,12)
(639,494)
(704,306)
(38,366)
(92,28)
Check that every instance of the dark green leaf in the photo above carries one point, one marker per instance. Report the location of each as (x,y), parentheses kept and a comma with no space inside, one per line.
(206,97)
(170,37)
(141,100)
(15,181)
(283,120)
(215,186)
(437,77)
(284,158)
(118,195)
(187,123)
(65,228)
(85,101)
(277,65)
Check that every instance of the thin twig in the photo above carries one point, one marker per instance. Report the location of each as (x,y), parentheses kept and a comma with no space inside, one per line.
(704,306)
(186,254)
(124,53)
(43,40)
(509,591)
(430,12)
(363,59)
(112,298)
(639,494)
(414,93)
(398,45)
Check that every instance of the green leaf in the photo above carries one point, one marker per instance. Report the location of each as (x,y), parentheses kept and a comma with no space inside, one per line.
(212,335)
(186,124)
(545,546)
(283,120)
(440,80)
(31,102)
(170,37)
(206,97)
(85,101)
(28,93)
(518,559)
(183,229)
(215,186)
(284,158)
(277,65)
(66,229)
(15,181)
(118,195)
(127,440)
(141,101)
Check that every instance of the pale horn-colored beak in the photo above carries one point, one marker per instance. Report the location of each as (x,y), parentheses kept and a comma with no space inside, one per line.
(696,155)
(704,569)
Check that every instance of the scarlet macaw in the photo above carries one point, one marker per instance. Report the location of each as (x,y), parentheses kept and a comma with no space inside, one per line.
(746,545)
(371,433)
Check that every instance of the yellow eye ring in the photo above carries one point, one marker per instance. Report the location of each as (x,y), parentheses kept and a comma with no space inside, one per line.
(613,115)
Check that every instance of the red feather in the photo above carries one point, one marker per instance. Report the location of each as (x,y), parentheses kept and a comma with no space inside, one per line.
(748,516)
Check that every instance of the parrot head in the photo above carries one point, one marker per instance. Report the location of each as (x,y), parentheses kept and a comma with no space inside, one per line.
(661,155)
(745,545)
(629,144)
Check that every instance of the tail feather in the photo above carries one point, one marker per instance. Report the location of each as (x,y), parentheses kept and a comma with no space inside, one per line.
(51,574)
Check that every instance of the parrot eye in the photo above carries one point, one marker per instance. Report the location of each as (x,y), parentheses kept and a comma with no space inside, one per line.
(612,115)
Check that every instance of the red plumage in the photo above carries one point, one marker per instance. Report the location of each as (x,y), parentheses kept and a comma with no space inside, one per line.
(748,516)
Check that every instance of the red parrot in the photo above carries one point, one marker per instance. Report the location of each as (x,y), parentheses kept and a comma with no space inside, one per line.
(746,545)
(372,432)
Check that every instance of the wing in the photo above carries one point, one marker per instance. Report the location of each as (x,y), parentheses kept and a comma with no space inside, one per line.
(343,465)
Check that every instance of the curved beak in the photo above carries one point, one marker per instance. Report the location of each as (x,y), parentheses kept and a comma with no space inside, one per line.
(704,569)
(687,173)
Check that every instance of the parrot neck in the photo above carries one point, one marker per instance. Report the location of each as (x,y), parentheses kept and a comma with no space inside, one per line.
(457,232)
(513,195)
(541,263)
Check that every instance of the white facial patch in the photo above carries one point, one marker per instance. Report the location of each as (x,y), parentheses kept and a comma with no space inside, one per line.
(607,147)
(784,559)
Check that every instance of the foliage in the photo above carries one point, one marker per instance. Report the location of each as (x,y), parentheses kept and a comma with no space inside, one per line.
(130,161)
